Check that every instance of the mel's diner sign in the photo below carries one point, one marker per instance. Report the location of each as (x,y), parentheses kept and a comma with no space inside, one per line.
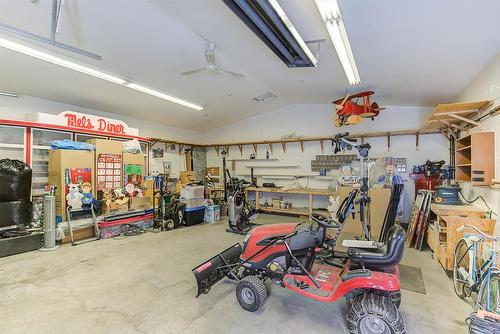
(78,121)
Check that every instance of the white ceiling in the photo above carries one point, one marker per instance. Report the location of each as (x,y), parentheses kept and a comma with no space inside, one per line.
(410,52)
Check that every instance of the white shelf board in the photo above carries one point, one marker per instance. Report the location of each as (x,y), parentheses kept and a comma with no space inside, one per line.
(256,159)
(271,166)
(12,146)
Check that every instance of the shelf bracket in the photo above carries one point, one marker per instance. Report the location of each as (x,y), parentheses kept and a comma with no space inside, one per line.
(255,148)
(302,145)
(241,149)
(465,119)
(271,148)
(226,148)
(417,139)
(388,141)
(181,146)
(217,150)
(283,144)
(321,144)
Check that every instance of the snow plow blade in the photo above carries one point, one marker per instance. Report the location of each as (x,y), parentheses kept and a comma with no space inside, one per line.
(215,269)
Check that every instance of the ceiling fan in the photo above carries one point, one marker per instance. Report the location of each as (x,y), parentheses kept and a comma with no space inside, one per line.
(211,66)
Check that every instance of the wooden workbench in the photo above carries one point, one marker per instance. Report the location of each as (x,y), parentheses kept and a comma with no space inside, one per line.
(379,201)
(442,236)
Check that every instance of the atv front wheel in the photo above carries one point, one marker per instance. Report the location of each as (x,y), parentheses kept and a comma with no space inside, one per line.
(251,293)
(372,313)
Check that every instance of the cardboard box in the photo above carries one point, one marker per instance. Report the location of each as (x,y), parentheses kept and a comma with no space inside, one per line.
(106,210)
(186,177)
(108,165)
(62,161)
(148,190)
(140,203)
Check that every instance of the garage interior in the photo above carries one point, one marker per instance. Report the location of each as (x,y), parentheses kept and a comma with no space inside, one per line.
(260,166)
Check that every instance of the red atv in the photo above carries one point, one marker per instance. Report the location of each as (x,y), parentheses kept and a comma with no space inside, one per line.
(287,254)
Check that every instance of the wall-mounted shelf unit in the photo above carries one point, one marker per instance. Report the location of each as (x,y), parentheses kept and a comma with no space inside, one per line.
(272,166)
(474,158)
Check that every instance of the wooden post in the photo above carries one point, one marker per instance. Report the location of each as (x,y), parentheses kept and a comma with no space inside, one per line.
(321,144)
(283,144)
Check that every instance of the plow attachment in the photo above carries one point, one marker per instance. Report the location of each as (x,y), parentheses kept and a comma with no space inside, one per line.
(215,269)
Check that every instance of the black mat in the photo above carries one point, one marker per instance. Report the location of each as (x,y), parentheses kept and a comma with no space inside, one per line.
(411,279)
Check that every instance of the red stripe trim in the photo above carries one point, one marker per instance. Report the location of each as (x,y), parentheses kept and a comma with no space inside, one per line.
(67,128)
(28,146)
(125,221)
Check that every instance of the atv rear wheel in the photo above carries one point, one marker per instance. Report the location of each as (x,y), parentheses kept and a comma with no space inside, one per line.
(372,313)
(251,293)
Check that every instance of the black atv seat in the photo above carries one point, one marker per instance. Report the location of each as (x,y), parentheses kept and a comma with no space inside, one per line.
(381,257)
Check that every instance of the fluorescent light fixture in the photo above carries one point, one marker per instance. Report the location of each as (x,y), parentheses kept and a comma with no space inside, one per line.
(330,12)
(9,94)
(269,22)
(286,21)
(162,96)
(89,71)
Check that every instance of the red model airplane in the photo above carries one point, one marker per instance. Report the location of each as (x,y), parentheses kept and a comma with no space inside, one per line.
(350,112)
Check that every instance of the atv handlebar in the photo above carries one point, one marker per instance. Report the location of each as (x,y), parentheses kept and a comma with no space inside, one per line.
(327,222)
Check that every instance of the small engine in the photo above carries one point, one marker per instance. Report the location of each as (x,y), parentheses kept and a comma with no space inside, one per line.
(277,266)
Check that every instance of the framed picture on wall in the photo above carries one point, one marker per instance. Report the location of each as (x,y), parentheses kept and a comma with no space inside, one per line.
(167,167)
(157,153)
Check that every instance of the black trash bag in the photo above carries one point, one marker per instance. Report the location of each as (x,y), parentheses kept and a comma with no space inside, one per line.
(16,213)
(15,180)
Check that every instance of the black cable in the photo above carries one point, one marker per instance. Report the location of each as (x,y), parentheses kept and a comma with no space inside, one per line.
(475,199)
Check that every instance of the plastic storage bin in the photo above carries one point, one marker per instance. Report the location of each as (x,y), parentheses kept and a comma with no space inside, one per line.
(190,192)
(193,202)
(115,228)
(193,216)
(212,213)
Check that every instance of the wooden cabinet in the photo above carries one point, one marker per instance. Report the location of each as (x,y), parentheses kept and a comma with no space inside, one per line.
(474,158)
(446,236)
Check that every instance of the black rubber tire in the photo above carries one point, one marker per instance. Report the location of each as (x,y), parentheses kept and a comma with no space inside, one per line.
(396,298)
(169,224)
(460,288)
(377,307)
(253,286)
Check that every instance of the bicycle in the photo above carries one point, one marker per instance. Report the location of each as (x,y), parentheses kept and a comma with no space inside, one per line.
(469,275)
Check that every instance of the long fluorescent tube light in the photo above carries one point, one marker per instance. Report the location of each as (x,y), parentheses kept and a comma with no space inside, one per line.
(330,12)
(286,21)
(89,71)
(9,94)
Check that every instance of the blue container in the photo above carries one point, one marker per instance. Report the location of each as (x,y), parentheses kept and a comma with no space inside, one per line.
(193,216)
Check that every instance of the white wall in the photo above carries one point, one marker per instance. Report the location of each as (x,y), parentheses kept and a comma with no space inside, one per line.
(315,120)
(486,86)
(23,107)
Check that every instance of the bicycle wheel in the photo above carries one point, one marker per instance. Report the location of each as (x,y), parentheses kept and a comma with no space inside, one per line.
(488,298)
(461,268)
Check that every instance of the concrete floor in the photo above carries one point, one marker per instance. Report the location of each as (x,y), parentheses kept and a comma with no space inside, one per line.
(144,285)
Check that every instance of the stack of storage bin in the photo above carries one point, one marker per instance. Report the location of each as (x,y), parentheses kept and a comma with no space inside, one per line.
(193,196)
